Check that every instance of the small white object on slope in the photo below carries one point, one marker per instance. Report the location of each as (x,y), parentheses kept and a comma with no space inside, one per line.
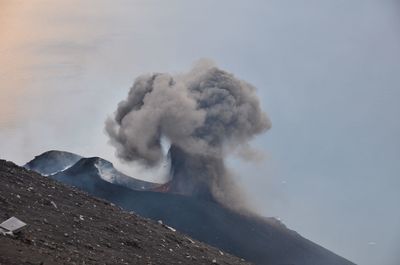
(12,225)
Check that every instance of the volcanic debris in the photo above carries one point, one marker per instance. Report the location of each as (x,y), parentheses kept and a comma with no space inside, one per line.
(67,226)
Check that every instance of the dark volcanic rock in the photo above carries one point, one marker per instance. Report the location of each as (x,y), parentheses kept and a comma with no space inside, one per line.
(107,169)
(67,226)
(72,165)
(257,239)
(260,240)
(94,168)
(52,162)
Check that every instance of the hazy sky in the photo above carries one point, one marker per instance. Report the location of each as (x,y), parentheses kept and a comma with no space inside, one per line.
(327,72)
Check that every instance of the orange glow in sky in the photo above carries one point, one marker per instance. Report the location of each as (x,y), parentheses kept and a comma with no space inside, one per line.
(39,38)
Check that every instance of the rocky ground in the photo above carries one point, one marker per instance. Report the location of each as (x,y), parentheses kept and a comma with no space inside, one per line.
(67,226)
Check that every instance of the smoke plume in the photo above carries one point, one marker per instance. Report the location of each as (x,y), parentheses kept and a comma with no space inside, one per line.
(205,114)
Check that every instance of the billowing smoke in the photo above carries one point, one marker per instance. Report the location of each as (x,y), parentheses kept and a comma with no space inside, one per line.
(205,114)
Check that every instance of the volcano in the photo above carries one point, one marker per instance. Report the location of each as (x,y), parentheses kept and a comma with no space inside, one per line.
(52,162)
(193,210)
(68,226)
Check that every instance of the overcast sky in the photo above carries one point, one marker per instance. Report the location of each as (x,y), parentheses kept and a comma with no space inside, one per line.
(327,73)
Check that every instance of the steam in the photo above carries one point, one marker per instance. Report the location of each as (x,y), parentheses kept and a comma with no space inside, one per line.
(205,114)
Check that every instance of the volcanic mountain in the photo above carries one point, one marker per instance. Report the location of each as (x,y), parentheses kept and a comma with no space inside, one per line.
(257,239)
(68,226)
(65,166)
(52,162)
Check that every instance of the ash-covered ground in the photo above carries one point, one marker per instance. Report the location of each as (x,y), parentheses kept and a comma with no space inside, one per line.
(67,226)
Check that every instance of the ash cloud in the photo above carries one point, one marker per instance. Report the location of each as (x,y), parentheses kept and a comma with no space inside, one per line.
(205,114)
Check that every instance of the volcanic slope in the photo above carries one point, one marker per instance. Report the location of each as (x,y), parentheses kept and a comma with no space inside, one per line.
(53,162)
(67,226)
(257,239)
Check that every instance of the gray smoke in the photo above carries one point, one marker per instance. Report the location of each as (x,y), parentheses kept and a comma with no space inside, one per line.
(205,114)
